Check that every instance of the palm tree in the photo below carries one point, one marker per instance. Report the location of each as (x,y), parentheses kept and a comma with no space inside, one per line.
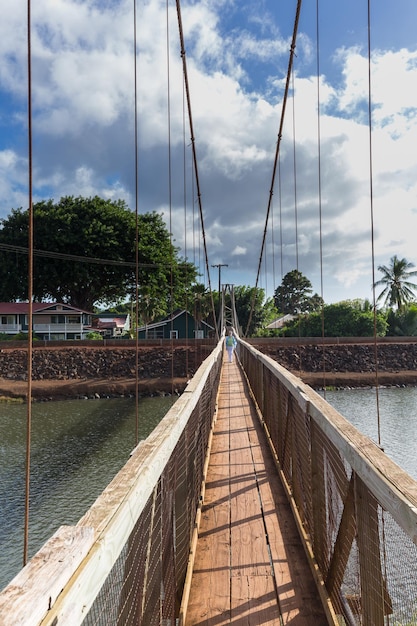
(398,291)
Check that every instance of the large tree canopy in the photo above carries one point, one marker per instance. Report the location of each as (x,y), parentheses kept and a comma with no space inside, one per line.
(293,296)
(245,297)
(84,254)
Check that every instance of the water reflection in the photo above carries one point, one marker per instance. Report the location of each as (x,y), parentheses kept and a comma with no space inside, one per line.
(77,448)
(397,417)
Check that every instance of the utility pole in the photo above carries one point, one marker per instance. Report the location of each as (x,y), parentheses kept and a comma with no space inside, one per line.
(220,265)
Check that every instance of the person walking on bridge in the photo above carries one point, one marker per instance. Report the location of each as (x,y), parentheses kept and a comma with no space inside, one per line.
(230,345)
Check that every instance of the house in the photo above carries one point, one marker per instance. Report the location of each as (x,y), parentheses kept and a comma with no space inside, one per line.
(111,325)
(50,320)
(179,325)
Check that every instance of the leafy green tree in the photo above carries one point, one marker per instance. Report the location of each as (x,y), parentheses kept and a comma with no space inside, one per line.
(270,314)
(100,237)
(94,336)
(340,320)
(293,296)
(398,290)
(244,296)
(403,323)
(151,307)
(120,308)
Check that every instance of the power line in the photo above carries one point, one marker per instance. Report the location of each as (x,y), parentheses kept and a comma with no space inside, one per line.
(73,257)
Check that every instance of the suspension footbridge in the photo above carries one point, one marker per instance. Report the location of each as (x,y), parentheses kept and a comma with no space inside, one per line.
(195,529)
(252,502)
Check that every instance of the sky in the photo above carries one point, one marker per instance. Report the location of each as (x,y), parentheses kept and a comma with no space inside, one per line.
(345,193)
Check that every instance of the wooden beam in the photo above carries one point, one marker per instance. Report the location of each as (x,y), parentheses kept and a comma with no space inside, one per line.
(29,596)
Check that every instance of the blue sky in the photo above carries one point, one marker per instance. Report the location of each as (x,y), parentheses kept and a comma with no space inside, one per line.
(237,55)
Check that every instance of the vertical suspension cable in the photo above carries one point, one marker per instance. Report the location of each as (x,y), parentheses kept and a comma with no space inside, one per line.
(280,218)
(294,157)
(194,238)
(171,285)
(296,208)
(371,198)
(273,247)
(371,204)
(265,261)
(30,290)
(281,261)
(319,191)
(136,227)
(184,165)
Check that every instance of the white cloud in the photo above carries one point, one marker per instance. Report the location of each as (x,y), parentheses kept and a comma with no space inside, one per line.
(239,251)
(83,97)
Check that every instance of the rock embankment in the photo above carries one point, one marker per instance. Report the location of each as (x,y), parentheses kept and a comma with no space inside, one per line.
(88,363)
(346,358)
(100,371)
(349,365)
(97,372)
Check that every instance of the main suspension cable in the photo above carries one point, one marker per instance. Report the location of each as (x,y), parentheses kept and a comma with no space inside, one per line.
(274,169)
(197,179)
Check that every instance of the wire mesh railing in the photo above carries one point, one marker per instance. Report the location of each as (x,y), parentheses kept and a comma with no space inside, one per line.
(357,510)
(126,560)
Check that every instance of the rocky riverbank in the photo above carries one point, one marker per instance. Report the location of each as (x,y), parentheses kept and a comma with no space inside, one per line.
(351,365)
(93,372)
(98,372)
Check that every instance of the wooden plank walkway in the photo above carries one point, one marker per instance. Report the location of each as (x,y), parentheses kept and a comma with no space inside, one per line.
(250,567)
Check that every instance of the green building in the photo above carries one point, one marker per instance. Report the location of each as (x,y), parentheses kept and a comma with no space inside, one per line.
(178,325)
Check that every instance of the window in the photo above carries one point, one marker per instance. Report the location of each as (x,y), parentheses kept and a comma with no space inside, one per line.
(74,319)
(57,319)
(173,334)
(10,320)
(155,333)
(199,334)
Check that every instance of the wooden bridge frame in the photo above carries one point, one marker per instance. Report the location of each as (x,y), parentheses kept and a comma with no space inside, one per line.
(127,558)
(350,501)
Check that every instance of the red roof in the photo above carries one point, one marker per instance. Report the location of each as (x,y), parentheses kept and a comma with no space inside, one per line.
(115,322)
(16,308)
(19,307)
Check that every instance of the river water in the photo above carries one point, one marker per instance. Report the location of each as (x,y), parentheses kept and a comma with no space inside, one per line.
(397,418)
(77,448)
